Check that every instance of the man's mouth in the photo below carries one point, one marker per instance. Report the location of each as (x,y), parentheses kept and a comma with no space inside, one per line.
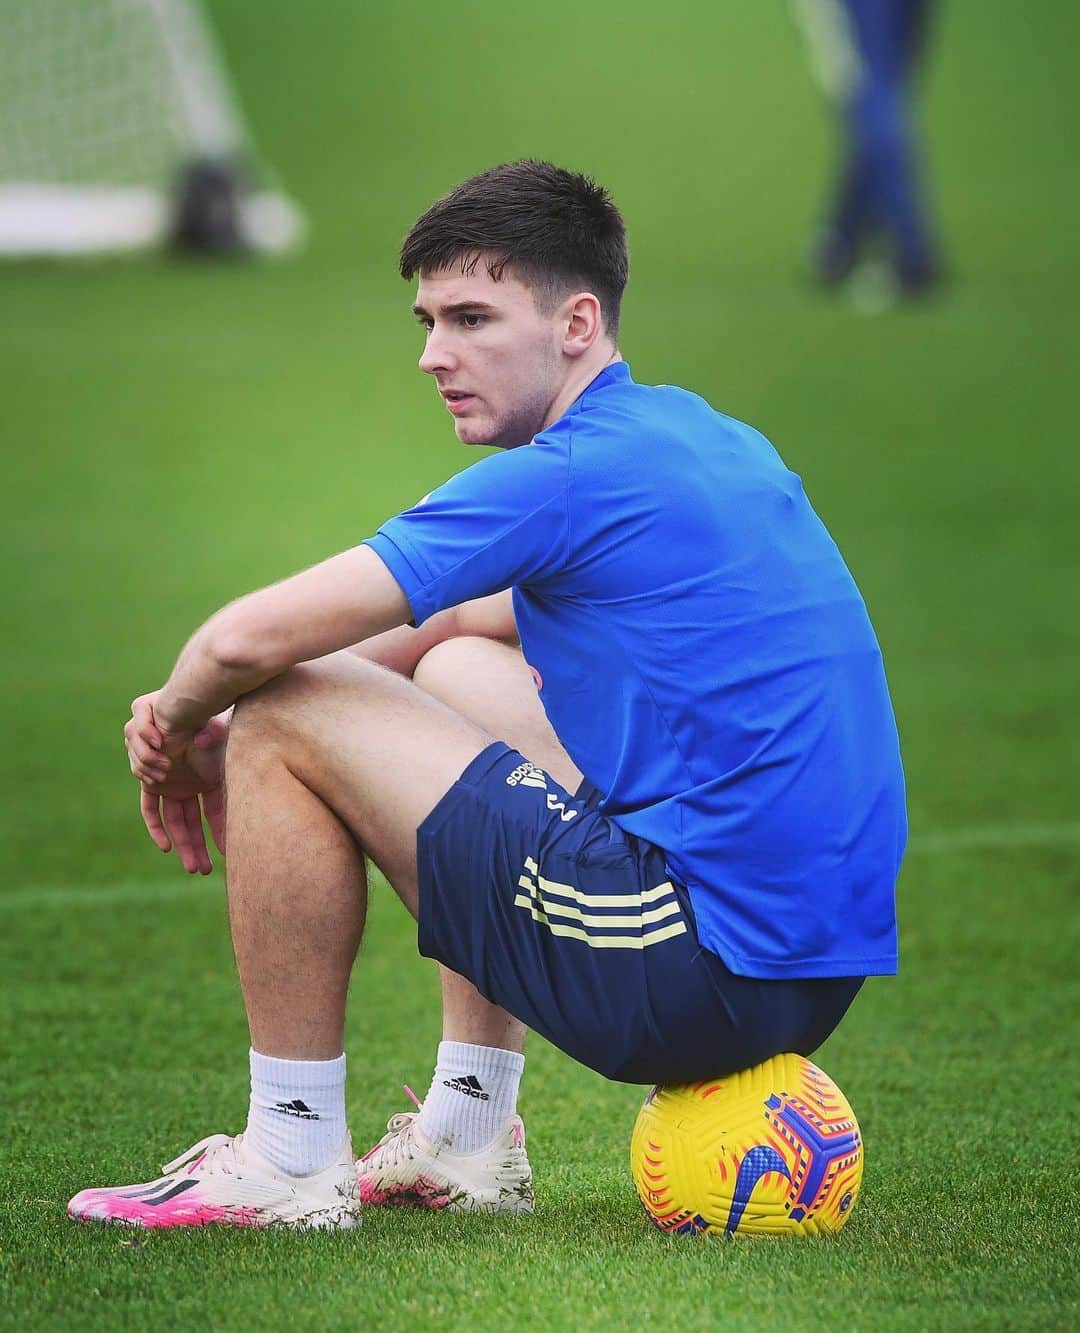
(455,400)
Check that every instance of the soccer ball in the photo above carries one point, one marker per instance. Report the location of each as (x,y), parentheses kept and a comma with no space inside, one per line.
(772,1151)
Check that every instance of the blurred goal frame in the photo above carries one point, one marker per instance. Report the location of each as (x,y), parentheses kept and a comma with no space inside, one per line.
(74,182)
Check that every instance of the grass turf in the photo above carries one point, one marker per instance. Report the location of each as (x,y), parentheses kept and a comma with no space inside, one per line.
(176,434)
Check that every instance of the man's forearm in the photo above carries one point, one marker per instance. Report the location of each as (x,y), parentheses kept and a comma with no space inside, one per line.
(204,682)
(348,598)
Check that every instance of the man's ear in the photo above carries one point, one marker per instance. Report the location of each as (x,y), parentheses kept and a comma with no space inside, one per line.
(584,323)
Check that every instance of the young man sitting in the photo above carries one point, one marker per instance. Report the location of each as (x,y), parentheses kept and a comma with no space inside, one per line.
(610,717)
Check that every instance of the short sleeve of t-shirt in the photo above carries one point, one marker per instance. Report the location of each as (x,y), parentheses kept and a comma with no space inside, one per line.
(500,523)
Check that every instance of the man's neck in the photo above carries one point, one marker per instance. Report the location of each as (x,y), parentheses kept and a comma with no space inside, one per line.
(585,371)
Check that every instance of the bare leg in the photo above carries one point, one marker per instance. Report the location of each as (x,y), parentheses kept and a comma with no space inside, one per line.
(341,755)
(297,902)
(489,683)
(330,758)
(468,1017)
(329,761)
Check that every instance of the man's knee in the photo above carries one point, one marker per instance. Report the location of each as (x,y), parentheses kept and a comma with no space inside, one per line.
(263,706)
(450,665)
(285,708)
(260,723)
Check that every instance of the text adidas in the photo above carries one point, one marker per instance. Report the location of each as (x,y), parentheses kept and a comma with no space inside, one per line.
(470,1087)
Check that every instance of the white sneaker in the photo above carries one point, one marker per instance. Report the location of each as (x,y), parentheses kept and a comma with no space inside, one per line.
(221,1180)
(406,1167)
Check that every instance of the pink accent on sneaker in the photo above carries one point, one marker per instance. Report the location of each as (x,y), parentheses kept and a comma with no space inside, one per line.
(221,1180)
(408,1169)
(420,1193)
(183,1211)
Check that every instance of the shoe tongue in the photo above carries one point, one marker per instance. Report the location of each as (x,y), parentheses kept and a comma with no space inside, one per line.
(248,1155)
(196,1150)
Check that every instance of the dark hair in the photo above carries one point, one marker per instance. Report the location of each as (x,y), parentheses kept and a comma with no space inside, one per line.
(556,230)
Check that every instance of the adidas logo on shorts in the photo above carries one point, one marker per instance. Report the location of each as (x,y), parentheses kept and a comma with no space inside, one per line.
(528,775)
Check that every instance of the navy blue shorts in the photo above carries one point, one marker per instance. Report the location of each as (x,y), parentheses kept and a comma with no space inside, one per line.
(573,925)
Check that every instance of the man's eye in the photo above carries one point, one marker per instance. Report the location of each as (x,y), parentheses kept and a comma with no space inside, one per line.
(472,321)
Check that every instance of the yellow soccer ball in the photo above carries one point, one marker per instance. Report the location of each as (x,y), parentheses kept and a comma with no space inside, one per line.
(771,1151)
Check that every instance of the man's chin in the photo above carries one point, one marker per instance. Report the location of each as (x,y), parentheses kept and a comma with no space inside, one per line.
(473,432)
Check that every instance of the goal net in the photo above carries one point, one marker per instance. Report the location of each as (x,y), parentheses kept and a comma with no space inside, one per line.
(119,131)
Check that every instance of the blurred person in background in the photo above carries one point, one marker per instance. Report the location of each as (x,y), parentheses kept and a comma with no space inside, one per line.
(867,53)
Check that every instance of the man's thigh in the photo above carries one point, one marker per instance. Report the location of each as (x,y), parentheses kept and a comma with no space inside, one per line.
(377,750)
(491,684)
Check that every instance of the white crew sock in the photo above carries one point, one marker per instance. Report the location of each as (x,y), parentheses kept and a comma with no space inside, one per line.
(296,1119)
(473,1094)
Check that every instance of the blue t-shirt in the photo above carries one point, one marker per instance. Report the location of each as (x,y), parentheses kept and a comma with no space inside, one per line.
(704,656)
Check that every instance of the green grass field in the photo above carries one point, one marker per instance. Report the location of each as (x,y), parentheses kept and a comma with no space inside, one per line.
(174,435)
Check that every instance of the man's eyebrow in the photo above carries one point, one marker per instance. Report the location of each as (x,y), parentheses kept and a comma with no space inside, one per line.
(457,308)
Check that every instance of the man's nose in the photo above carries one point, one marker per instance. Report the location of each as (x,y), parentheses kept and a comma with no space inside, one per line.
(436,355)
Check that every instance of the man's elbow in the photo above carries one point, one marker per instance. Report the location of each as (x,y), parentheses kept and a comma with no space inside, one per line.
(236,649)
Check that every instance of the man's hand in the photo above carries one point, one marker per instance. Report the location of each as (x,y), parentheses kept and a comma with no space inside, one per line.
(176,737)
(181,778)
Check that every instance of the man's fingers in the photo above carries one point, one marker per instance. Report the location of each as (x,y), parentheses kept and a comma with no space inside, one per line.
(172,812)
(149,804)
(162,762)
(214,810)
(145,730)
(193,819)
(143,742)
(214,733)
(142,719)
(149,772)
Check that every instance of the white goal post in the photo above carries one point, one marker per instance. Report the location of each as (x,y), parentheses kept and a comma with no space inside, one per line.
(109,109)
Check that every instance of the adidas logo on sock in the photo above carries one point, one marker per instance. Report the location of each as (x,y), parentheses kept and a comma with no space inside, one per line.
(297,1108)
(469,1086)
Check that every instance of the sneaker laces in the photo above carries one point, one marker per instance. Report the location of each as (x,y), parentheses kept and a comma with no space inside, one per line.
(397,1142)
(209,1153)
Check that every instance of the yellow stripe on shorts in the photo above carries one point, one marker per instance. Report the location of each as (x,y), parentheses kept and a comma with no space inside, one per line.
(532,879)
(541,908)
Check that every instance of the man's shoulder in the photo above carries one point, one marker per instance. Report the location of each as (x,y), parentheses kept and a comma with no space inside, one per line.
(527,476)
(626,412)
